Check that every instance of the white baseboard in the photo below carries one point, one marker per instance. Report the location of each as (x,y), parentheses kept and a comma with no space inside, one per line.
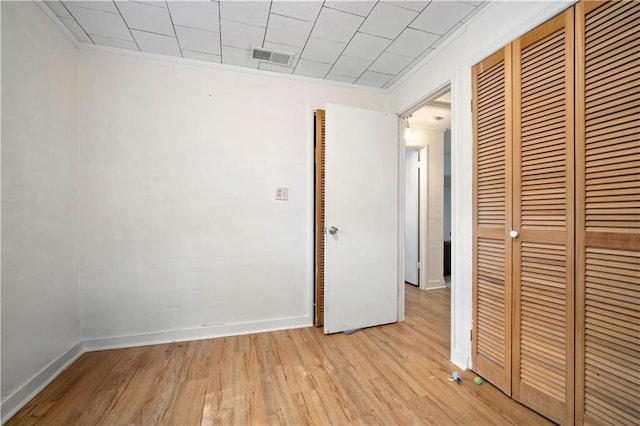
(17,399)
(434,284)
(20,397)
(436,288)
(200,333)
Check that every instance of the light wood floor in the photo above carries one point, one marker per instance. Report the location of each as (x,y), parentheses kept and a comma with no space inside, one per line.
(394,374)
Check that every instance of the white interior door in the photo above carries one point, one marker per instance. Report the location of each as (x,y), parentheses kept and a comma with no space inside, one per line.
(411,221)
(361,216)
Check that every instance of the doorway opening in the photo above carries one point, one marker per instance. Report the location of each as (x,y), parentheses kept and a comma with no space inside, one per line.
(428,193)
(428,234)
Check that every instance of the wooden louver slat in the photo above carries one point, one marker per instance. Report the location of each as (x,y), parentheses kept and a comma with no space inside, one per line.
(608,213)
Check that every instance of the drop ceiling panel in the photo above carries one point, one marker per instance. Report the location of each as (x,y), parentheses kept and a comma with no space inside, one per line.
(350,67)
(196,14)
(373,79)
(312,68)
(114,42)
(412,42)
(238,57)
(59,9)
(143,17)
(198,40)
(361,8)
(390,63)
(156,43)
(386,20)
(249,12)
(417,5)
(149,2)
(336,26)
(366,46)
(341,78)
(303,10)
(275,68)
(450,32)
(290,31)
(105,6)
(439,17)
(239,34)
(77,30)
(363,42)
(200,56)
(320,50)
(101,23)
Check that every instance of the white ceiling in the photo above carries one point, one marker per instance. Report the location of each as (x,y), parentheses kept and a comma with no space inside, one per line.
(362,42)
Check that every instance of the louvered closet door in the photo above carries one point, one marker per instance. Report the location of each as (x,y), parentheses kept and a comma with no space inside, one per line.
(543,252)
(492,220)
(319,215)
(608,213)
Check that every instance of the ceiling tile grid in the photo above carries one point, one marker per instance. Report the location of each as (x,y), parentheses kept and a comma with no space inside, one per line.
(363,42)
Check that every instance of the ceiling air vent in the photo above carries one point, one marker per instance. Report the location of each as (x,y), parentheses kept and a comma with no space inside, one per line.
(265,55)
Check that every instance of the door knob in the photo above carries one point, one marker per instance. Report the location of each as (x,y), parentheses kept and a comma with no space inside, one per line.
(333,230)
(513,234)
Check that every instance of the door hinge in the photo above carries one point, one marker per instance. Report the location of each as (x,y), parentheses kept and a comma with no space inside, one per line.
(471,102)
(419,266)
(471,335)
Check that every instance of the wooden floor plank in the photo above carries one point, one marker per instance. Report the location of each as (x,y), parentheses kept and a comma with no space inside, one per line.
(188,405)
(393,374)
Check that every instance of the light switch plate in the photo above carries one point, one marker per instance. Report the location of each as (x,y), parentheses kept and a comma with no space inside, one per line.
(282,194)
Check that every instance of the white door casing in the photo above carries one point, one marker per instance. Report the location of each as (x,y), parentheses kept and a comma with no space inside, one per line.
(361,202)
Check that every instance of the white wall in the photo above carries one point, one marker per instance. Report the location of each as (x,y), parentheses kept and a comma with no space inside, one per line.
(180,234)
(494,27)
(39,146)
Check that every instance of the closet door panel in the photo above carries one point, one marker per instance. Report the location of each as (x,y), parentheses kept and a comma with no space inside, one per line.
(319,181)
(608,213)
(543,215)
(492,218)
